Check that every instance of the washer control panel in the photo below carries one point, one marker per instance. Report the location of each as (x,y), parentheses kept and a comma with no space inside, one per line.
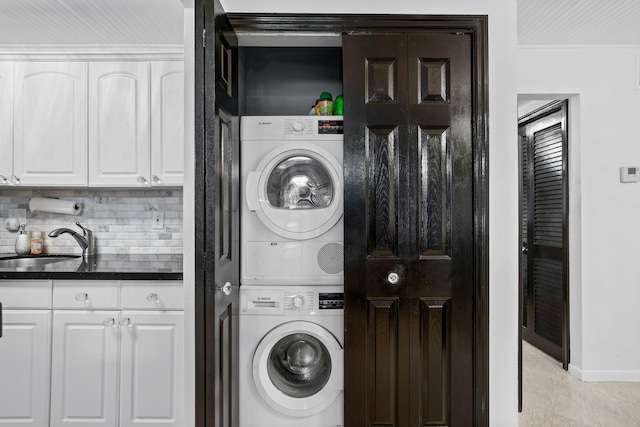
(294,300)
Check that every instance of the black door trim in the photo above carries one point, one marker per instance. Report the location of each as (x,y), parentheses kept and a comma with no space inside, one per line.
(477,27)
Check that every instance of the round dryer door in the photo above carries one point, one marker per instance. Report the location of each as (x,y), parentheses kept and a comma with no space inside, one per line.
(298,368)
(296,191)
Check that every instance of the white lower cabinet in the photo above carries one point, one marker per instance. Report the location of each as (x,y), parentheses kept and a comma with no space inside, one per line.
(24,368)
(152,369)
(25,353)
(84,380)
(114,366)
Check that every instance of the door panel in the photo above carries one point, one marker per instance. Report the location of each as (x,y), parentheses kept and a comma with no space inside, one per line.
(544,216)
(411,287)
(220,224)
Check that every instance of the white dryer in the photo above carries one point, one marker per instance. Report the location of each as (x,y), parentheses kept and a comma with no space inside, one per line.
(292,217)
(291,356)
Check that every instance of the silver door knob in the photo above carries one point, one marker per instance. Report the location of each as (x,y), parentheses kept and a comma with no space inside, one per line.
(155,180)
(125,321)
(153,297)
(225,289)
(109,321)
(393,278)
(142,180)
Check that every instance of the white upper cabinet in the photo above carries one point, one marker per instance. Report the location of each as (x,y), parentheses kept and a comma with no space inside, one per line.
(167,123)
(6,122)
(50,123)
(119,137)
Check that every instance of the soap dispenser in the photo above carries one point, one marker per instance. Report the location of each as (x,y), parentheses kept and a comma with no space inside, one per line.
(23,242)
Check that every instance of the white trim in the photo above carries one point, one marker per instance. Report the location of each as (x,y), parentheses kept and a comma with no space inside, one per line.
(159,52)
(604,375)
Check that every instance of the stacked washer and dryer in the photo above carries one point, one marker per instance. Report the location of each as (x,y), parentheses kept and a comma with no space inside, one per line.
(291,294)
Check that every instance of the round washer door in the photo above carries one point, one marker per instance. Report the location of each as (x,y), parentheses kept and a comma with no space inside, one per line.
(298,368)
(296,191)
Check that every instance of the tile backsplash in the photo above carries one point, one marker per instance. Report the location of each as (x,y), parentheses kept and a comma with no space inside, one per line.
(121,220)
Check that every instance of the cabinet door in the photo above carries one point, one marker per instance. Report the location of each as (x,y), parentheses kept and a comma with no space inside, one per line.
(84,364)
(152,370)
(50,120)
(6,122)
(119,124)
(25,352)
(167,123)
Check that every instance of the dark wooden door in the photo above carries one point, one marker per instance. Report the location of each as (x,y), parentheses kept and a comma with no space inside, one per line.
(217,225)
(544,230)
(409,230)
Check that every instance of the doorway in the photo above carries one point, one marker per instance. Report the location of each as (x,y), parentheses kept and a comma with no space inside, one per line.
(544,236)
(430,319)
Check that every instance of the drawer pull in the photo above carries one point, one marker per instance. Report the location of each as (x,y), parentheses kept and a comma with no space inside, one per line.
(125,321)
(109,321)
(153,297)
(82,297)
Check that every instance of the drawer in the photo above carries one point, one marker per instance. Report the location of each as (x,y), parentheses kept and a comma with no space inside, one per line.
(89,295)
(152,295)
(20,294)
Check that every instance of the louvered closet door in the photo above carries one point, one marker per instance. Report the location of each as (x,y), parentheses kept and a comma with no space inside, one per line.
(545,241)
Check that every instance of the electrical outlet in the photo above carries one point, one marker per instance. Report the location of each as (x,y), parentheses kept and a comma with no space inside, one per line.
(158,221)
(21,214)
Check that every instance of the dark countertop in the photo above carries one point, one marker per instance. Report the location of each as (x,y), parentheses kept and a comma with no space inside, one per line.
(102,267)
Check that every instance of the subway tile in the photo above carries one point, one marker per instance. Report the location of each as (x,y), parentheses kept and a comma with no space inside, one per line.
(120,219)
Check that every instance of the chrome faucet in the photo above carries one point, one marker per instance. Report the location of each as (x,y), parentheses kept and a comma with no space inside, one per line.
(86,242)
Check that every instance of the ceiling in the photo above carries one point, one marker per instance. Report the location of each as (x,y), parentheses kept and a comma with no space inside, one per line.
(578,22)
(79,22)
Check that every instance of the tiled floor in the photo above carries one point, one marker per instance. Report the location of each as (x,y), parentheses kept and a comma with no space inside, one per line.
(553,397)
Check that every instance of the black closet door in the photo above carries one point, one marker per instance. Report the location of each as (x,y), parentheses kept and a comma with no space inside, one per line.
(544,225)
(409,230)
(216,219)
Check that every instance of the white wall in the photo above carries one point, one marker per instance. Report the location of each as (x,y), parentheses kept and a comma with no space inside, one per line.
(503,162)
(604,128)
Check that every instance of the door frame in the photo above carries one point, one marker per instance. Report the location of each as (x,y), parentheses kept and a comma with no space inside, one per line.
(474,25)
(559,105)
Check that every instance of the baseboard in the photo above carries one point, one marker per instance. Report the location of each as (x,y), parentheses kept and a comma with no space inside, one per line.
(602,376)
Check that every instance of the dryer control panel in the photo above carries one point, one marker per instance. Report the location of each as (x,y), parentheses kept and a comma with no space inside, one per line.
(291,128)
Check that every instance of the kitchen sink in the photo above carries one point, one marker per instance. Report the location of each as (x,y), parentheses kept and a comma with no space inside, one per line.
(33,260)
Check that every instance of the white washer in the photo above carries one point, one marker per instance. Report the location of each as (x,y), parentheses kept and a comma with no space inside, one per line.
(292,218)
(291,356)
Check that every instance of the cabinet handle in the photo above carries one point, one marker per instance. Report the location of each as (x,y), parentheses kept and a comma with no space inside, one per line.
(153,297)
(142,180)
(82,297)
(15,180)
(125,321)
(225,289)
(109,321)
(3,180)
(155,180)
